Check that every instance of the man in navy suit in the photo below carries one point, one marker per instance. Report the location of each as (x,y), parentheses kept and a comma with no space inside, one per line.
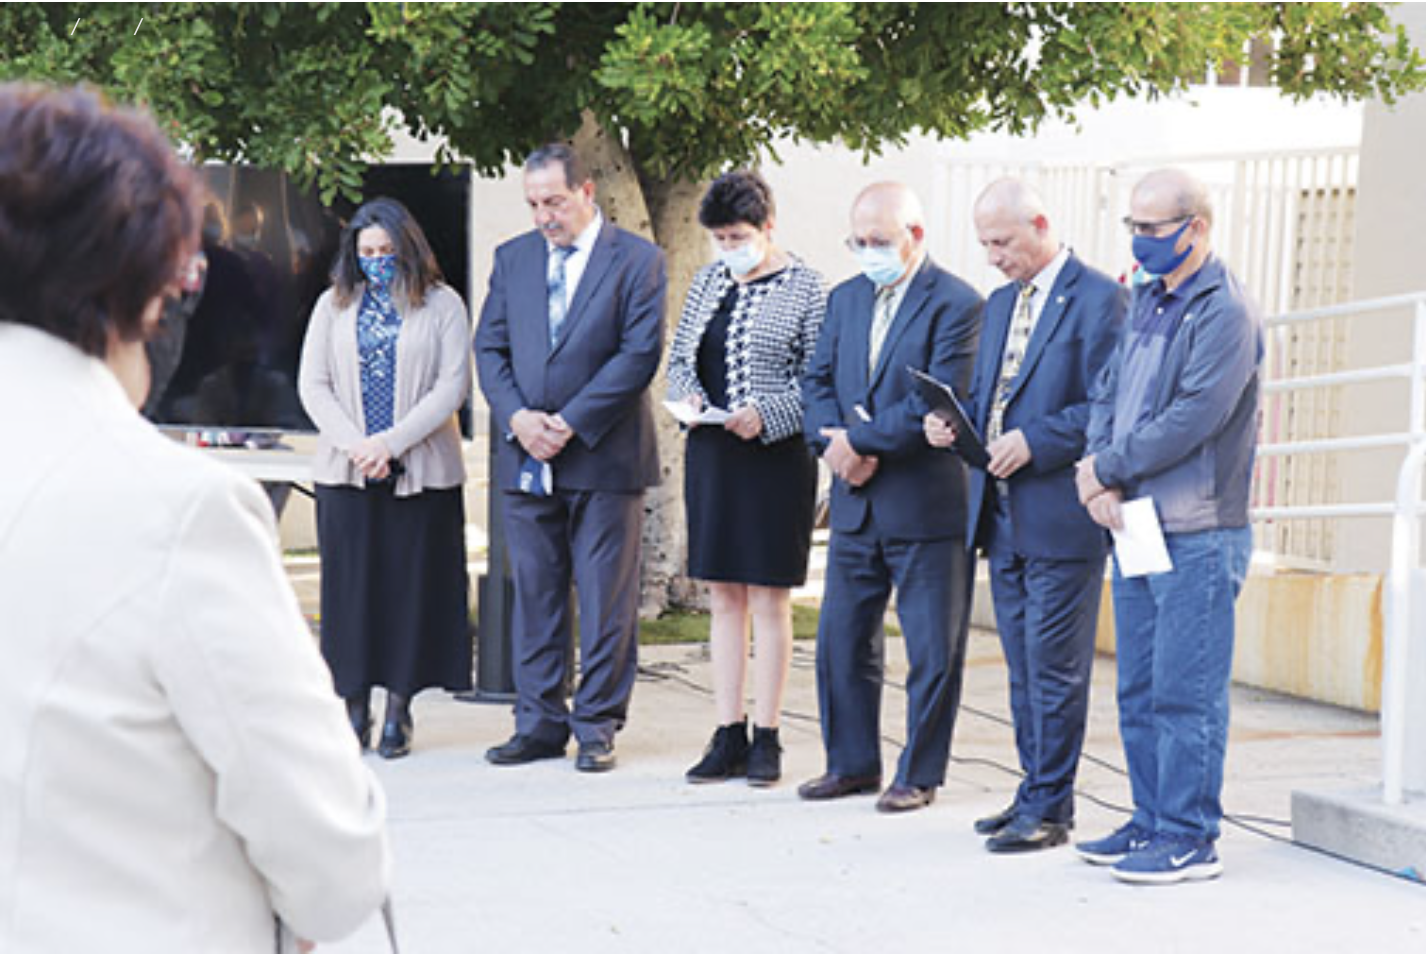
(569,338)
(898,505)
(1048,332)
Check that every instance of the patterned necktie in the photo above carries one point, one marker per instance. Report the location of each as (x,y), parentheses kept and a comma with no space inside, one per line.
(1021,326)
(559,302)
(880,322)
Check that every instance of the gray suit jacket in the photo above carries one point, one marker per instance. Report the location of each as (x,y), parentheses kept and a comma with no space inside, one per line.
(596,375)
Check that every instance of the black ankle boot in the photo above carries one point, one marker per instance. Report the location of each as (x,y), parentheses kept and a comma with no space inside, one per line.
(396,731)
(726,756)
(764,757)
(359,714)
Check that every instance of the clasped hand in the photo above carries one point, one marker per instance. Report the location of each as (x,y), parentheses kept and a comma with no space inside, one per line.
(849,465)
(543,435)
(1105,505)
(372,458)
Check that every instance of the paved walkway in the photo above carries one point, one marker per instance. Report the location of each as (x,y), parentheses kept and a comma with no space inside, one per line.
(545,859)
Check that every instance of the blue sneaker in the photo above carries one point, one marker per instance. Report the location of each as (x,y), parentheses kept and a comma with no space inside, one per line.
(1170,859)
(1111,849)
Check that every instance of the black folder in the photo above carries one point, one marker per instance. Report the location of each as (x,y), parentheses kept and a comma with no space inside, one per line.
(943,402)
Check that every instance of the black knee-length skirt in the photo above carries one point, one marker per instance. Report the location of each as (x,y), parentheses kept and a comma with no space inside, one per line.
(395,596)
(750,508)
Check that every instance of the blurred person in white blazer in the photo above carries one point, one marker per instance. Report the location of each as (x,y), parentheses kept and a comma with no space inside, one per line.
(175,771)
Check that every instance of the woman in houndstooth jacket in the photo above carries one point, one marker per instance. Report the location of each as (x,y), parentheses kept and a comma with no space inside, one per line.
(748,329)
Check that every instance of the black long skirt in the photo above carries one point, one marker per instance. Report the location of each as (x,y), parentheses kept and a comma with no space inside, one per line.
(395,596)
(749,507)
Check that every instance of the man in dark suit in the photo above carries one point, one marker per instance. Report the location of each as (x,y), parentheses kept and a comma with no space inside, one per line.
(897,504)
(570,336)
(1048,332)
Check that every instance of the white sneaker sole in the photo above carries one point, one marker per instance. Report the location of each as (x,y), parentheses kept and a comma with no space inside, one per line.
(1099,858)
(1201,872)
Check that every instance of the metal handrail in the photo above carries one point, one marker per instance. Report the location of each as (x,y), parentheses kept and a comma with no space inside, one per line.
(1401,603)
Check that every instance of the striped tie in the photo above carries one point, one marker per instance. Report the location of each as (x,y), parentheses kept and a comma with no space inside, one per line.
(880,323)
(559,304)
(1021,326)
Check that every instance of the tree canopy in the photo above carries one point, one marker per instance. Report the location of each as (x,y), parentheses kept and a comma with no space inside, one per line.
(316,89)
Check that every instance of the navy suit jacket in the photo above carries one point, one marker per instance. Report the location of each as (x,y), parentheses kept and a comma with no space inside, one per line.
(918,492)
(1049,403)
(596,375)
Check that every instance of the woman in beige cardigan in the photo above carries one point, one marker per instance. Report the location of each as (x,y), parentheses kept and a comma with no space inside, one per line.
(385,368)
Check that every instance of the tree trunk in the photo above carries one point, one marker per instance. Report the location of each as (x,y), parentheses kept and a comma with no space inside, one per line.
(666,213)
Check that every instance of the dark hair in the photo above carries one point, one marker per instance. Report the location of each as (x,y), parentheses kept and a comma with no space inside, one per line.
(96,214)
(575,172)
(416,269)
(737,197)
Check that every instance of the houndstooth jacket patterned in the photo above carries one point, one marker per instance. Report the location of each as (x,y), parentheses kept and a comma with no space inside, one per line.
(771,338)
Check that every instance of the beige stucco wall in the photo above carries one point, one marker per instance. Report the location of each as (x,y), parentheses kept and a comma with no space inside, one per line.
(1391,206)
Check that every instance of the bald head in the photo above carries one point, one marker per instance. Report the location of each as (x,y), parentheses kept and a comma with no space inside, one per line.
(891,203)
(1010,197)
(1013,228)
(887,222)
(1174,192)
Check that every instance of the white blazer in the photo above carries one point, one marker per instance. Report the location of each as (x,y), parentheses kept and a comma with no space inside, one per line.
(175,768)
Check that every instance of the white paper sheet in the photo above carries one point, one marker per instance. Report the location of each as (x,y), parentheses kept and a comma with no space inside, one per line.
(1140,546)
(684,413)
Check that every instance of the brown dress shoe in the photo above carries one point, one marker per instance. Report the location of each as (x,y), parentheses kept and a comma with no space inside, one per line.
(838,786)
(905,798)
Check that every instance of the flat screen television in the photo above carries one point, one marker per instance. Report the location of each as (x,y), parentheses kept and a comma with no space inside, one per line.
(225,362)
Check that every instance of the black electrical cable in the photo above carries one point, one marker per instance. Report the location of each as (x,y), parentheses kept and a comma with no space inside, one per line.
(1248,823)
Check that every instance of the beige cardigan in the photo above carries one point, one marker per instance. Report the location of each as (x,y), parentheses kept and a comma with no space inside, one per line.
(432,382)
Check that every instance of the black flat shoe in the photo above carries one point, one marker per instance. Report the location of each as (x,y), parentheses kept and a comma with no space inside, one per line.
(595,757)
(395,739)
(994,823)
(521,750)
(1026,834)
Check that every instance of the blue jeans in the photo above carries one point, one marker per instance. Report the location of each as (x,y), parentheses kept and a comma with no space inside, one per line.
(1175,655)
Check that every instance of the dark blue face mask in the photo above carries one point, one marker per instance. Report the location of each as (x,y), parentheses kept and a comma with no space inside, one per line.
(1155,253)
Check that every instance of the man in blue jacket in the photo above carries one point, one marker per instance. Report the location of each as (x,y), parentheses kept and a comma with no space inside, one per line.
(1048,333)
(1175,419)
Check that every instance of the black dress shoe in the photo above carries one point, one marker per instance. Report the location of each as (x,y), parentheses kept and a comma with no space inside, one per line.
(1027,834)
(905,798)
(595,757)
(838,786)
(994,823)
(395,739)
(521,750)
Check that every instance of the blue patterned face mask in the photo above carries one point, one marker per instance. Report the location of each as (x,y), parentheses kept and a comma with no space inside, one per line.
(379,270)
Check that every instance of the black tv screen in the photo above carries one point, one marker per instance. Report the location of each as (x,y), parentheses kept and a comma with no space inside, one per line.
(225,361)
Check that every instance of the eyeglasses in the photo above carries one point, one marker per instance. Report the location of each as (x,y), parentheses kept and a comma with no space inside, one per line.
(1152,227)
(857,244)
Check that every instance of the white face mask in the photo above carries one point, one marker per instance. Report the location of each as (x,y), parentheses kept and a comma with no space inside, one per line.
(742,260)
(884,267)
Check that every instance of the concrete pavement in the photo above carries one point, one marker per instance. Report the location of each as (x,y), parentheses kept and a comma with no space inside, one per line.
(545,859)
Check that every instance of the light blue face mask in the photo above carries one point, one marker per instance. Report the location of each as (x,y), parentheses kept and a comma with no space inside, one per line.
(742,260)
(882,265)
